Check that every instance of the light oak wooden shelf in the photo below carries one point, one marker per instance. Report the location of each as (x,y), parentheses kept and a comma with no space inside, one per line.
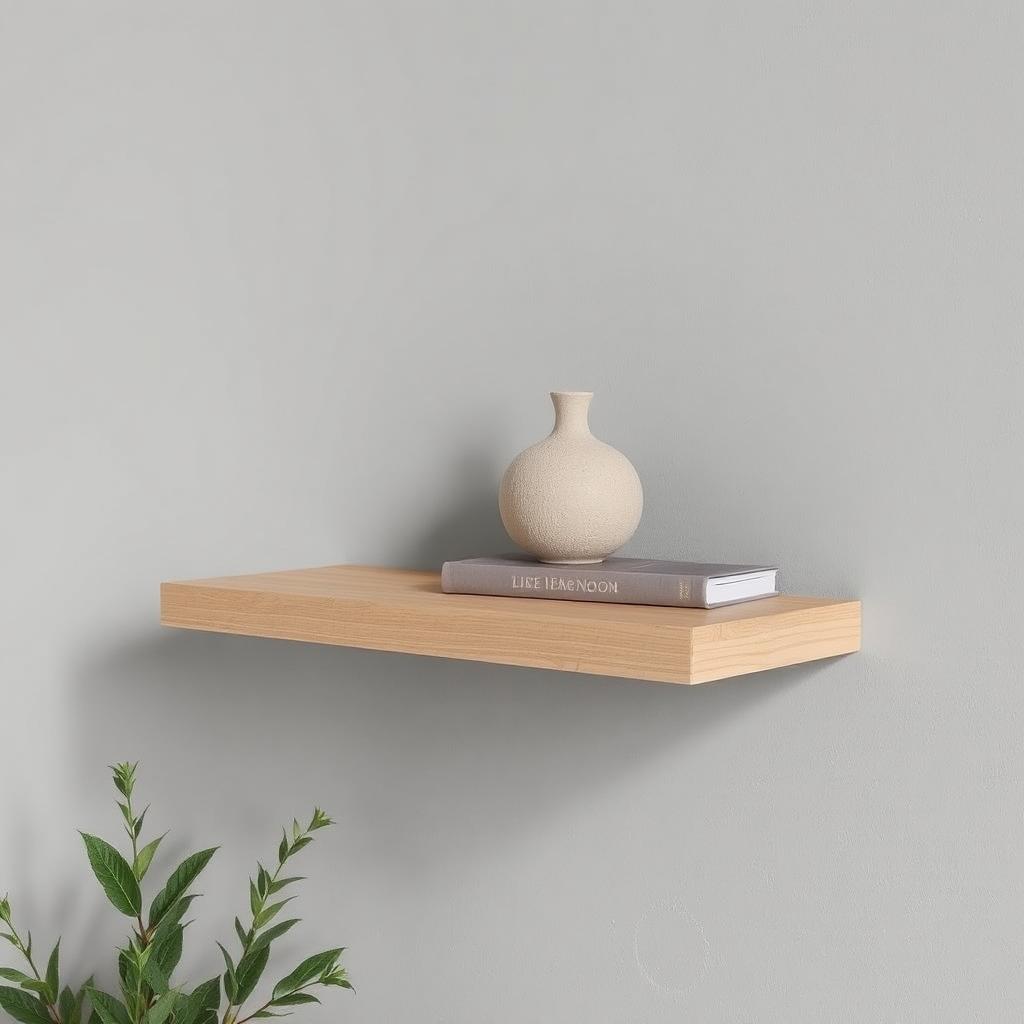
(401,610)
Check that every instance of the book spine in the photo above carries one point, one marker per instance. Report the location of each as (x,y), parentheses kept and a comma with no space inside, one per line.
(551,582)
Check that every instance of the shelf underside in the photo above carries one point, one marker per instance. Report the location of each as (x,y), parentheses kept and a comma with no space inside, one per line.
(402,610)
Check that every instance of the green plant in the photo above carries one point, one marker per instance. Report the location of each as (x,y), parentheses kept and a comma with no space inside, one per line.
(148,960)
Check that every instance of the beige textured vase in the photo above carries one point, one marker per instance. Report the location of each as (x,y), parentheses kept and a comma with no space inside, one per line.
(571,498)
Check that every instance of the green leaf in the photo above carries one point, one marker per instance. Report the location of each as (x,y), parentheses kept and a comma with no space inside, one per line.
(250,970)
(124,777)
(296,999)
(114,874)
(10,974)
(267,915)
(181,878)
(138,822)
(282,882)
(230,978)
(156,977)
(254,898)
(145,858)
(127,971)
(53,973)
(282,850)
(339,980)
(33,985)
(320,820)
(273,933)
(263,881)
(167,949)
(310,968)
(241,933)
(23,1007)
(76,1017)
(161,1009)
(301,844)
(66,1005)
(107,1008)
(173,916)
(195,1008)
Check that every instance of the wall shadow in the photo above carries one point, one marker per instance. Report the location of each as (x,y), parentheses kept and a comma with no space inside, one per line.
(468,526)
(424,759)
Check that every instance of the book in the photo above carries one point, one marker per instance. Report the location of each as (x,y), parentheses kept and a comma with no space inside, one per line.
(615,580)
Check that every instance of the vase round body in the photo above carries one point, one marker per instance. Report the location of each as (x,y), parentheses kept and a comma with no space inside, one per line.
(571,498)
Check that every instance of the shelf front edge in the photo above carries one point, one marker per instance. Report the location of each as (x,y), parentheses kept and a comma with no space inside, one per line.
(630,651)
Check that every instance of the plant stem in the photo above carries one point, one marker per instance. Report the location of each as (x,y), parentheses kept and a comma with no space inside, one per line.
(141,1004)
(131,833)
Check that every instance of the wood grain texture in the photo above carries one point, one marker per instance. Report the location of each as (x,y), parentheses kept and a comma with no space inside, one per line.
(403,610)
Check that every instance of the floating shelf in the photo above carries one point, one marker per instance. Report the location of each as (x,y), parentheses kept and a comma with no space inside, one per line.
(401,610)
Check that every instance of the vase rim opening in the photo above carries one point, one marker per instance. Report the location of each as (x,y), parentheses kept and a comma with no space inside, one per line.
(574,394)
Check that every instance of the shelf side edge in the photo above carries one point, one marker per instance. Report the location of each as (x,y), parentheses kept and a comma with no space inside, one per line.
(792,638)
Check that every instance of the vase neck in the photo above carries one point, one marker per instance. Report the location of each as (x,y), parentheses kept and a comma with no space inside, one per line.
(571,408)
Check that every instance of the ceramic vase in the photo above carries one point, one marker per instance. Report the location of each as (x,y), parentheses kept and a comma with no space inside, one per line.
(571,498)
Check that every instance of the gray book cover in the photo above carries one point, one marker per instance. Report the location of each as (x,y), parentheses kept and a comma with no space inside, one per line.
(615,580)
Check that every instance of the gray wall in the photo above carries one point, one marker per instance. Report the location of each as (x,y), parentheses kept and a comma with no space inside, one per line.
(287,284)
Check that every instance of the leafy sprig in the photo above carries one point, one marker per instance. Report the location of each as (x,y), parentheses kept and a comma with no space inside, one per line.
(37,999)
(241,980)
(146,963)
